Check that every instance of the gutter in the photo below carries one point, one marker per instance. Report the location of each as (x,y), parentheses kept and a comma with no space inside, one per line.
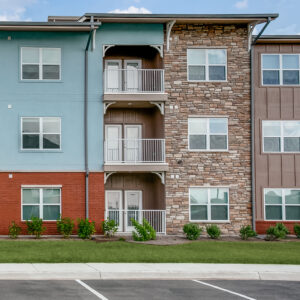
(252,123)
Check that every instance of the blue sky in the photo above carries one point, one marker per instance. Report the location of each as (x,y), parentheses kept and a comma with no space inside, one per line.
(38,10)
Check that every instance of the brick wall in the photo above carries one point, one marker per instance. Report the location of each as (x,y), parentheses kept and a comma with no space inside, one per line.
(72,198)
(231,99)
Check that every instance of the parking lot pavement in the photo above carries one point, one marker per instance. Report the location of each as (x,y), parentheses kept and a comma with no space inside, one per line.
(148,289)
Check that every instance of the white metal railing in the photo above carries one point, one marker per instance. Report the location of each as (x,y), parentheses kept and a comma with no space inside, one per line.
(156,218)
(134,151)
(133,81)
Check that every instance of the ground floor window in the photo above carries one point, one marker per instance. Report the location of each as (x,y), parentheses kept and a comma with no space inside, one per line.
(209,204)
(41,202)
(282,204)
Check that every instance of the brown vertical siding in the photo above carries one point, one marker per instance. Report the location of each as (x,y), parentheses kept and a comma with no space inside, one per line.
(273,103)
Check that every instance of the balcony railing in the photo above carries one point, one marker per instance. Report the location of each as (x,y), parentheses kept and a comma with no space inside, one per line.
(156,218)
(133,81)
(132,151)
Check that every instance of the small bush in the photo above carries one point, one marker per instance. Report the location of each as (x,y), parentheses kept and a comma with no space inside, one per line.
(65,227)
(213,231)
(246,232)
(192,231)
(279,231)
(35,227)
(86,228)
(109,227)
(142,232)
(121,239)
(297,230)
(14,230)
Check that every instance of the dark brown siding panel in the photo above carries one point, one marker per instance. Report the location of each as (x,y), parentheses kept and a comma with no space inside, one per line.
(274,166)
(288,170)
(261,103)
(287,103)
(297,172)
(273,103)
(297,103)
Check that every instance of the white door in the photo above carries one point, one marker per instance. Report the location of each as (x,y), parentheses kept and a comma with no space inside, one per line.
(114,201)
(133,207)
(133,75)
(133,143)
(113,76)
(113,143)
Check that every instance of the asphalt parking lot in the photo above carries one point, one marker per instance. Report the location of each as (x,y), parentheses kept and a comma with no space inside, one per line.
(148,289)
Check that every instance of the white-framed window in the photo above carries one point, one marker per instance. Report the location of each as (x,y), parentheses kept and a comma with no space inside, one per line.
(280,69)
(42,202)
(40,63)
(208,134)
(40,133)
(281,136)
(207,64)
(282,204)
(209,204)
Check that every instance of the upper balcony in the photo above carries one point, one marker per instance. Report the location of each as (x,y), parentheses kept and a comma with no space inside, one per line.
(133,74)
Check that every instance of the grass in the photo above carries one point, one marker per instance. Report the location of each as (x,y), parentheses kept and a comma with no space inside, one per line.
(197,252)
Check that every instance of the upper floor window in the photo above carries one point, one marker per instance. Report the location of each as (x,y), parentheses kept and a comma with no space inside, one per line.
(44,203)
(207,64)
(40,63)
(282,204)
(281,136)
(209,204)
(41,133)
(280,69)
(208,134)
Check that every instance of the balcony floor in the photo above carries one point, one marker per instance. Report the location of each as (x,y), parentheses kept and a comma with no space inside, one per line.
(136,168)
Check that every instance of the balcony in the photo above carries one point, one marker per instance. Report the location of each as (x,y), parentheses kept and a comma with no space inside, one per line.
(134,155)
(156,218)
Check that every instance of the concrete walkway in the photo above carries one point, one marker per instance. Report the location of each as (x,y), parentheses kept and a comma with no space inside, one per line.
(149,271)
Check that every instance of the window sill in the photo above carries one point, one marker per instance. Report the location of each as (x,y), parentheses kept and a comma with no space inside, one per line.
(211,222)
(209,151)
(40,151)
(40,81)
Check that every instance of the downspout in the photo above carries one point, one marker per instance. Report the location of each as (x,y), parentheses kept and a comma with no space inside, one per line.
(252,124)
(86,148)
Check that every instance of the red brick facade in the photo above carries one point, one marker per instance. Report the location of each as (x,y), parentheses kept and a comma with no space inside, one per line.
(72,197)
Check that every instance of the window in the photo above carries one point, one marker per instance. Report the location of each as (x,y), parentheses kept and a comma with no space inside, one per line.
(41,133)
(280,69)
(207,64)
(40,63)
(208,134)
(209,204)
(44,203)
(282,204)
(281,136)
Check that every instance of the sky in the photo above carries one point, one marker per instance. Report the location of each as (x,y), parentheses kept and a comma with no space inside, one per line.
(38,10)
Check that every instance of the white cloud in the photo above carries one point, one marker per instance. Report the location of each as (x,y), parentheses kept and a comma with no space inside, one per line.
(243,4)
(131,10)
(14,10)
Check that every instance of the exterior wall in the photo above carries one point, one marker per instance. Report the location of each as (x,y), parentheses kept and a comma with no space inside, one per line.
(231,99)
(72,197)
(149,184)
(273,103)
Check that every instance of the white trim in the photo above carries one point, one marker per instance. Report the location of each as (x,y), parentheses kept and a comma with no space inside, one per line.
(209,220)
(283,204)
(40,64)
(41,203)
(280,70)
(41,186)
(208,134)
(207,65)
(281,136)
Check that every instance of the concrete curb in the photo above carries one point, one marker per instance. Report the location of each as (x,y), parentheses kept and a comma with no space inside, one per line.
(148,271)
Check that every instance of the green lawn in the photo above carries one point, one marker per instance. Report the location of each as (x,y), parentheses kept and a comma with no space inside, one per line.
(197,252)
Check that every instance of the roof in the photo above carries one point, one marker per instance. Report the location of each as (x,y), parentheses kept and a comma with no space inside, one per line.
(278,39)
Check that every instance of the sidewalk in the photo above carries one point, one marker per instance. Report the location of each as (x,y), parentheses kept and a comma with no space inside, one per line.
(149,271)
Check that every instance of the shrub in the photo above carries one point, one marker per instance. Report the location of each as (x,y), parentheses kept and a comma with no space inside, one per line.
(143,232)
(65,227)
(121,239)
(297,230)
(246,232)
(35,227)
(109,227)
(213,231)
(192,231)
(279,231)
(14,230)
(86,228)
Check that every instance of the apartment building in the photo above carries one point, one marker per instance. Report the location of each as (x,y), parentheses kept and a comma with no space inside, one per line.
(277,130)
(127,116)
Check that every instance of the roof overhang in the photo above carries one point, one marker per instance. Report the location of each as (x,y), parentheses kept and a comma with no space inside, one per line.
(279,39)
